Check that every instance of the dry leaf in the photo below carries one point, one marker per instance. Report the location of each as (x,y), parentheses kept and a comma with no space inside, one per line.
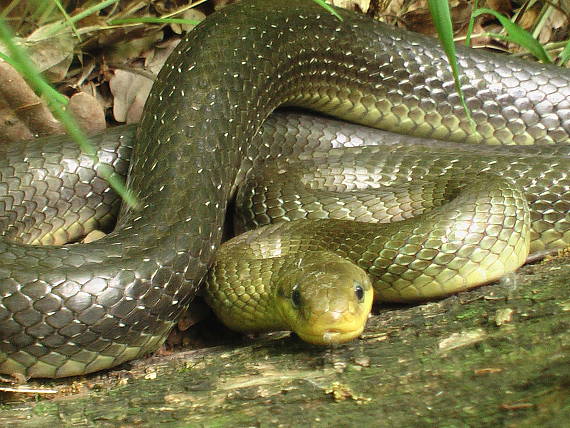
(88,112)
(421,21)
(528,18)
(502,6)
(220,4)
(52,54)
(555,29)
(191,15)
(130,90)
(392,8)
(359,5)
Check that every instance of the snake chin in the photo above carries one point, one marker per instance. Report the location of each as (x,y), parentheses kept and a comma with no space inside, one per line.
(331,336)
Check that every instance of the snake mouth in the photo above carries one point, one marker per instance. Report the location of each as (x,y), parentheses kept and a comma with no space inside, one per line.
(330,336)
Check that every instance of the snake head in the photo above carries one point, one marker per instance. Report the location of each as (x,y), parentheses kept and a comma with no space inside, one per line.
(324,298)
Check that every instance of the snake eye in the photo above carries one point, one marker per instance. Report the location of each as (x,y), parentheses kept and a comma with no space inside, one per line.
(359,291)
(296,296)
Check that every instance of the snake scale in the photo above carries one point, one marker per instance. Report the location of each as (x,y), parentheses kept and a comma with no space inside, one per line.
(77,309)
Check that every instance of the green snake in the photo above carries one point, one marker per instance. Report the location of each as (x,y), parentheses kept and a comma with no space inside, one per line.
(77,309)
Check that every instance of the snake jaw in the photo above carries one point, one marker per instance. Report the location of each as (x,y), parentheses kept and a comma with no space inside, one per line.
(332,336)
(335,327)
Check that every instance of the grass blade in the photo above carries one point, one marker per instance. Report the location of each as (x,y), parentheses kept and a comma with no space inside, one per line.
(518,35)
(439,10)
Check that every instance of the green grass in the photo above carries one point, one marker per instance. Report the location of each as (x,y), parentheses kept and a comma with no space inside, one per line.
(439,10)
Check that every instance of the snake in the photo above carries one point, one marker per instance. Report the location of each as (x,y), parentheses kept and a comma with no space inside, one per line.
(77,309)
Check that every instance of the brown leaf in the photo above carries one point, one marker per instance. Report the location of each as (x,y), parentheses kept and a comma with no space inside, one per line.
(130,90)
(529,17)
(52,54)
(394,8)
(192,15)
(502,6)
(88,112)
(359,5)
(420,19)
(555,28)
(220,4)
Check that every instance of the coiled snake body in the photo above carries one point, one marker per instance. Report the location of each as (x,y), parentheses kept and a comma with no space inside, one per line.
(78,309)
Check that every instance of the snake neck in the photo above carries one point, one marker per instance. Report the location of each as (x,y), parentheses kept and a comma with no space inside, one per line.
(240,288)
